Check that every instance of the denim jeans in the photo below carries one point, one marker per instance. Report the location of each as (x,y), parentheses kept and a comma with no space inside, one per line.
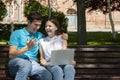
(62,72)
(22,68)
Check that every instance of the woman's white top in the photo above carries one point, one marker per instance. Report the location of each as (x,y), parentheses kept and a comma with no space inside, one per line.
(48,44)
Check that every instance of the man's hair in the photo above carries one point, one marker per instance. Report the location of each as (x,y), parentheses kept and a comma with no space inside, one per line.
(34,16)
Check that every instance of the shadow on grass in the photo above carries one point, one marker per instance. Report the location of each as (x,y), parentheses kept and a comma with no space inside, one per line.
(95,38)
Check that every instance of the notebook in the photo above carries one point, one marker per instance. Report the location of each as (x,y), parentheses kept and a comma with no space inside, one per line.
(62,57)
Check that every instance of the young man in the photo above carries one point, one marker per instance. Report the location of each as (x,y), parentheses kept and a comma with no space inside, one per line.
(24,49)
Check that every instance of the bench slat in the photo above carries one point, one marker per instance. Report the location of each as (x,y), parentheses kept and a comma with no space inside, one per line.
(88,77)
(98,70)
(99,60)
(3,54)
(92,66)
(97,55)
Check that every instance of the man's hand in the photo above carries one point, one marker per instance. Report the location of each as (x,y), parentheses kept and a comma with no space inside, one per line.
(31,43)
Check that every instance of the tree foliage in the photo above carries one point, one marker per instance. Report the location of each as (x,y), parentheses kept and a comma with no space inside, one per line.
(102,5)
(34,5)
(3,10)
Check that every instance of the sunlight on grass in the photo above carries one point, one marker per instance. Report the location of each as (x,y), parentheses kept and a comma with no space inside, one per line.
(95,38)
(2,42)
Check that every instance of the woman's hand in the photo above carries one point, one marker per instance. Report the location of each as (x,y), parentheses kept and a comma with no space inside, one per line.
(73,63)
(43,62)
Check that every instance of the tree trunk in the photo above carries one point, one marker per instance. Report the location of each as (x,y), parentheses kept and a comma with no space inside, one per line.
(49,12)
(12,16)
(19,11)
(81,22)
(111,21)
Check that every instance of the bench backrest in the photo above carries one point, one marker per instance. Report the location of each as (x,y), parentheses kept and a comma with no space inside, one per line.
(97,61)
(92,62)
(3,59)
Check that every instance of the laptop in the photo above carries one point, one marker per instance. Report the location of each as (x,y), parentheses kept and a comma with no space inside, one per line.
(62,57)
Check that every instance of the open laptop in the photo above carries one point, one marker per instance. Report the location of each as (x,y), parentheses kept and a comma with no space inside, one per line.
(62,57)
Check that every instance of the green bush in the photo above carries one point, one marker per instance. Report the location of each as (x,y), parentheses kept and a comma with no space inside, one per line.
(34,5)
(5,30)
(3,10)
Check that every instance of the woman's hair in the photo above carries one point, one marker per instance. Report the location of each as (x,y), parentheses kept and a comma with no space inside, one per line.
(55,21)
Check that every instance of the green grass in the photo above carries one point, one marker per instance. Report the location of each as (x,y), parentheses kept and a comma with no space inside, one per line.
(95,38)
(3,42)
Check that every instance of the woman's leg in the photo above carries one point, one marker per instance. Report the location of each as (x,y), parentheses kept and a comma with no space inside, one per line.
(69,72)
(56,71)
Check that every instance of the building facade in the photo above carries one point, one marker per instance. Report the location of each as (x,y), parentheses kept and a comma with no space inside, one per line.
(93,19)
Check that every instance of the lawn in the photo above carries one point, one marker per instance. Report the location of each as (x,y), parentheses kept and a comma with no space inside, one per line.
(95,38)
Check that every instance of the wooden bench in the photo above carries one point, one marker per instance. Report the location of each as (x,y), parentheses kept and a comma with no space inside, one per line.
(97,62)
(93,62)
(3,62)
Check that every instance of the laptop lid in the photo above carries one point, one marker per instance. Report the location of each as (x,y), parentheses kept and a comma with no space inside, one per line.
(62,57)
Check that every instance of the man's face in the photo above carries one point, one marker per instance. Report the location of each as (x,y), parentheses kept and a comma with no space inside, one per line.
(34,26)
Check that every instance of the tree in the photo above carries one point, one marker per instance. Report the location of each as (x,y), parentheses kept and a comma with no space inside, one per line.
(20,5)
(49,9)
(81,22)
(105,6)
(111,21)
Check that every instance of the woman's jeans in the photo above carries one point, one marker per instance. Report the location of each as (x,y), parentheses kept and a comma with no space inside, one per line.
(22,68)
(62,72)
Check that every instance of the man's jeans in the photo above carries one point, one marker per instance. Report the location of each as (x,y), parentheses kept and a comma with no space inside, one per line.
(22,68)
(62,72)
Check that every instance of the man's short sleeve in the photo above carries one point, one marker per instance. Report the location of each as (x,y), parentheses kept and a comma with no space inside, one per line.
(14,38)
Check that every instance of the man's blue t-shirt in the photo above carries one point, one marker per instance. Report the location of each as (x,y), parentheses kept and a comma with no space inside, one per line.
(19,38)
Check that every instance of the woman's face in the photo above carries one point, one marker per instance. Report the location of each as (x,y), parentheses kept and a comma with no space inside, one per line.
(50,28)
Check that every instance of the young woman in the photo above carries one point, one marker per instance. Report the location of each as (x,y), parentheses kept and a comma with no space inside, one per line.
(54,42)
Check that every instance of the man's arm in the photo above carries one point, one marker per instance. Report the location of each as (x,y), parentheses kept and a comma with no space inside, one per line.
(13,52)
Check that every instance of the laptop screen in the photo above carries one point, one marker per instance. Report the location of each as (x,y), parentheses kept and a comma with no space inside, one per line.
(62,57)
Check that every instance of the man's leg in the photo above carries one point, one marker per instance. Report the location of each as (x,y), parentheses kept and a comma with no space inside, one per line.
(19,68)
(39,72)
